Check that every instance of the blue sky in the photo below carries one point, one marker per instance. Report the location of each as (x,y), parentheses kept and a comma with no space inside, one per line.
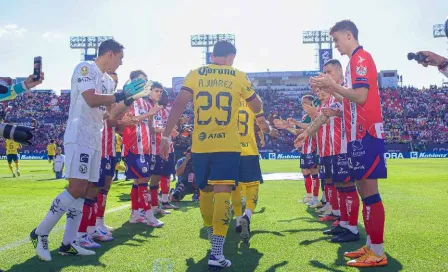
(156,34)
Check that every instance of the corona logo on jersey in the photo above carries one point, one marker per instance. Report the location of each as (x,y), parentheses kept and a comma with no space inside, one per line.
(204,71)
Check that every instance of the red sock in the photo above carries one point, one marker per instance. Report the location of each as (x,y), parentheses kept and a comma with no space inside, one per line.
(92,219)
(343,206)
(326,193)
(165,185)
(86,213)
(134,197)
(334,201)
(144,196)
(376,218)
(364,218)
(316,185)
(102,200)
(154,190)
(308,184)
(352,202)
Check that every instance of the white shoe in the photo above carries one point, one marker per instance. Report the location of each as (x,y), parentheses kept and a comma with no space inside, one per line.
(161,211)
(324,208)
(18,172)
(312,202)
(155,223)
(75,249)
(218,262)
(40,243)
(306,199)
(101,236)
(137,217)
(87,242)
(325,213)
(100,224)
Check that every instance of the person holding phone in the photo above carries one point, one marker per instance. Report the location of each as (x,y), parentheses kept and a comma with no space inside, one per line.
(10,92)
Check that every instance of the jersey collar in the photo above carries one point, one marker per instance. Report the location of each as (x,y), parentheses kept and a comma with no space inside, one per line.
(356,50)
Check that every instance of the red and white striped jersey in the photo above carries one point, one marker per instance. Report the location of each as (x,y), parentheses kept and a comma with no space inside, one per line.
(159,122)
(137,138)
(309,146)
(108,141)
(359,119)
(323,135)
(337,130)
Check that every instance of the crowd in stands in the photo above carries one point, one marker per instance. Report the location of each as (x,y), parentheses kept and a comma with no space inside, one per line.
(414,116)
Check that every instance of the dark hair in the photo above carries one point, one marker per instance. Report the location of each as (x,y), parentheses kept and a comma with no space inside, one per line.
(333,61)
(110,45)
(308,97)
(52,141)
(135,74)
(156,84)
(223,49)
(345,25)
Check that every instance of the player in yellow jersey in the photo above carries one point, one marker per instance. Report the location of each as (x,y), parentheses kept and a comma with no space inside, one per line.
(118,143)
(51,151)
(216,90)
(12,155)
(249,169)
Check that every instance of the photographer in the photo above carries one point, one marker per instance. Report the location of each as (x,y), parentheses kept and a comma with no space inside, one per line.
(186,183)
(182,141)
(10,92)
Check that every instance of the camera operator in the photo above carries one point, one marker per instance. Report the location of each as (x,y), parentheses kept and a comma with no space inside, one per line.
(186,183)
(432,59)
(182,141)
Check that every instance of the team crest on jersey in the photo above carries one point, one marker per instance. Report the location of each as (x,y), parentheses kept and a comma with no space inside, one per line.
(82,169)
(361,70)
(202,136)
(84,158)
(84,70)
(108,166)
(145,170)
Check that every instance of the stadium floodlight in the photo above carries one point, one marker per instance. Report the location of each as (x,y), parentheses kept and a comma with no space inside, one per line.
(88,42)
(319,37)
(438,31)
(208,40)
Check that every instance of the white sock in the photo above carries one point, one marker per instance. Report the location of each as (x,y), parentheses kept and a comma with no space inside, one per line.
(154,209)
(324,199)
(343,224)
(57,209)
(353,229)
(90,229)
(238,218)
(314,198)
(309,195)
(217,246)
(74,215)
(336,212)
(100,221)
(165,198)
(368,242)
(248,213)
(81,234)
(149,214)
(378,249)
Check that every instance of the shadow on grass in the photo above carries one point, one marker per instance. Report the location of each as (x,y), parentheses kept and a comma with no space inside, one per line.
(124,235)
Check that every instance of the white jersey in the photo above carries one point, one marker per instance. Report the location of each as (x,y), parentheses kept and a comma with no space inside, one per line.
(84,124)
(58,162)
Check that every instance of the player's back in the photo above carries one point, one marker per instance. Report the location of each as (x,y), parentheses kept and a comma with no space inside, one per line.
(11,147)
(217,91)
(51,149)
(247,129)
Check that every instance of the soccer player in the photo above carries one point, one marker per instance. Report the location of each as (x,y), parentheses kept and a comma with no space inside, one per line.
(137,150)
(13,155)
(82,145)
(364,128)
(51,151)
(58,163)
(118,144)
(216,90)
(249,169)
(160,170)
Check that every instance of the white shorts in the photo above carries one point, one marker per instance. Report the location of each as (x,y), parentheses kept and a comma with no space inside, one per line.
(82,162)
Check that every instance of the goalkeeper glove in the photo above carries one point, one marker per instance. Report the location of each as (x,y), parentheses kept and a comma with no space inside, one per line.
(132,90)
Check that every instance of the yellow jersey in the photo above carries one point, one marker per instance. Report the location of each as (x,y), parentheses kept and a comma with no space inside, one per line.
(11,147)
(217,91)
(118,142)
(247,129)
(51,149)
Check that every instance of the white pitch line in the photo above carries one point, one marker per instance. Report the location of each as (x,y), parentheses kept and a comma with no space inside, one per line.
(27,240)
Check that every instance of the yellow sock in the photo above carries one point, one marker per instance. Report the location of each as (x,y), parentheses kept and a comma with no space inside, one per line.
(10,168)
(252,197)
(237,201)
(221,214)
(243,190)
(17,166)
(206,206)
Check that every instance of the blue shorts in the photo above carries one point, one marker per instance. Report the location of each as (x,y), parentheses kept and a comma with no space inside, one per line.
(250,169)
(12,157)
(160,167)
(169,166)
(50,157)
(308,161)
(340,172)
(220,168)
(366,158)
(137,166)
(107,169)
(325,167)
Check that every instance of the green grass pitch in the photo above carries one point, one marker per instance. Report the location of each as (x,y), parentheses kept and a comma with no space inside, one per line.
(285,234)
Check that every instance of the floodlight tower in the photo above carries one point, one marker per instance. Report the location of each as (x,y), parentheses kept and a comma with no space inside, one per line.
(438,31)
(86,43)
(208,40)
(318,37)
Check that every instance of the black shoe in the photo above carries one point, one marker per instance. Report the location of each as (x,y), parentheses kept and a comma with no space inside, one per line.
(335,230)
(115,179)
(238,229)
(245,229)
(345,237)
